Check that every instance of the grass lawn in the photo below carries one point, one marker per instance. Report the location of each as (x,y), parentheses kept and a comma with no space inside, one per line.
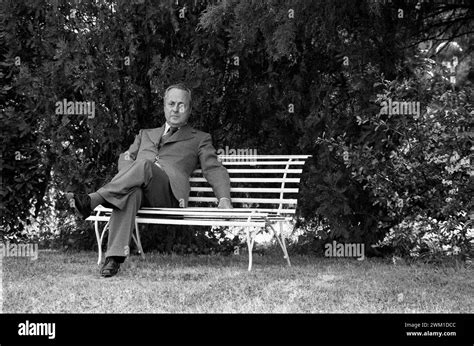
(69,283)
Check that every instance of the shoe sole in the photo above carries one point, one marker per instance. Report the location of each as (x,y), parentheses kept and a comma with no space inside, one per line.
(109,276)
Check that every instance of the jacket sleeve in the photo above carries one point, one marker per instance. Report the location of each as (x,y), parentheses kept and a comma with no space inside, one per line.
(126,158)
(215,174)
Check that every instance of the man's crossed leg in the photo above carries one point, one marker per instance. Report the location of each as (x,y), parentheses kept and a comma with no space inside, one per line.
(141,184)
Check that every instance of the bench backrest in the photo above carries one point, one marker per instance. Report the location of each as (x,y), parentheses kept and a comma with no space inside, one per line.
(267,182)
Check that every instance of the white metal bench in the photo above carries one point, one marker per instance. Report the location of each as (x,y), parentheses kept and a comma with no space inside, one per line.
(254,205)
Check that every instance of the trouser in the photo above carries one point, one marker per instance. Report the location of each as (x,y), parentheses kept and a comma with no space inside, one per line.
(141,184)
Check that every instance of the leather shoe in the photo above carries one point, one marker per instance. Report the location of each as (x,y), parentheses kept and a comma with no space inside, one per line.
(80,202)
(110,268)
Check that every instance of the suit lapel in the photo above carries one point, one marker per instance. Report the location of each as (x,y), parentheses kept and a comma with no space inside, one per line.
(155,134)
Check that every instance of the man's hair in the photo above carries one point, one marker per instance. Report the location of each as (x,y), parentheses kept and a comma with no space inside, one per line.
(180,86)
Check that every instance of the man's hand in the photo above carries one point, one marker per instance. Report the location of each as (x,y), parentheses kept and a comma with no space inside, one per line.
(224,203)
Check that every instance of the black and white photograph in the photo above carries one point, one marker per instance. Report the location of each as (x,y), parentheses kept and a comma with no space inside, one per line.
(237,163)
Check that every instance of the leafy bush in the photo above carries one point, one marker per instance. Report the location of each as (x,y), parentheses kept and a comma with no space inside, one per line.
(429,239)
(416,164)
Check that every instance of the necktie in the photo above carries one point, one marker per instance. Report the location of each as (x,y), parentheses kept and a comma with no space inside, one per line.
(168,134)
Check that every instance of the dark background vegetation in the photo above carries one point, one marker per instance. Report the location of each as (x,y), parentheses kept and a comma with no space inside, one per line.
(370,175)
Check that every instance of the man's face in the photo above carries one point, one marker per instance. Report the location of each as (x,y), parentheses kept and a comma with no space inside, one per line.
(177,107)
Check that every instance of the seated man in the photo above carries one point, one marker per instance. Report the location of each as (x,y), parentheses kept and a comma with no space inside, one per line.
(154,172)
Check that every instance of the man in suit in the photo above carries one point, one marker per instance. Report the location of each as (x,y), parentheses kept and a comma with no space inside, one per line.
(154,172)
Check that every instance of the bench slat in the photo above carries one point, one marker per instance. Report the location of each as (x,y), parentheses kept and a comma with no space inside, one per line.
(248,200)
(274,210)
(263,163)
(185,213)
(248,189)
(254,211)
(197,222)
(265,156)
(264,210)
(256,170)
(251,180)
(239,212)
(198,209)
(200,222)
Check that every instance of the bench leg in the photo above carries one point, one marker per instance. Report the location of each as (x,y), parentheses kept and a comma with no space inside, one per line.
(99,245)
(285,252)
(281,240)
(138,241)
(250,241)
(101,239)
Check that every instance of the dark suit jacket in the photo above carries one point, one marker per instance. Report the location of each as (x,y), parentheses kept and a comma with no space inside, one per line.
(178,157)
